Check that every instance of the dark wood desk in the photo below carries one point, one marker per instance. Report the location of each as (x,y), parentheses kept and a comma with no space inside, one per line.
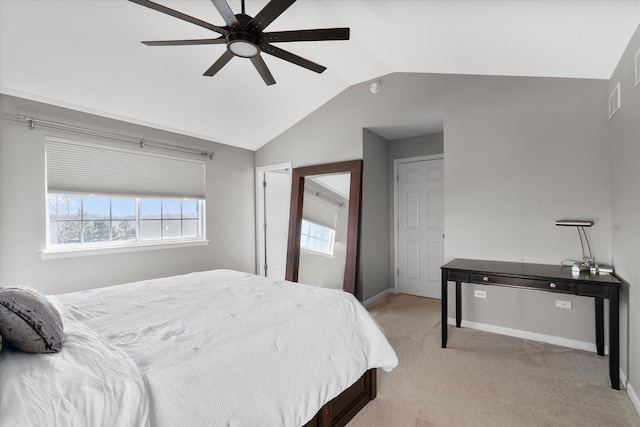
(542,277)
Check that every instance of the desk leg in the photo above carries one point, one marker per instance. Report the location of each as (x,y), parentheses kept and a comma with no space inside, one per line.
(599,325)
(444,307)
(614,336)
(458,304)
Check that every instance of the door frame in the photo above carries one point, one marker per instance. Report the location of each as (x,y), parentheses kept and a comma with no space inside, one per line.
(260,235)
(396,222)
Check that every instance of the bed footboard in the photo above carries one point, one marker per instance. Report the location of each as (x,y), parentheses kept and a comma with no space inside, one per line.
(345,406)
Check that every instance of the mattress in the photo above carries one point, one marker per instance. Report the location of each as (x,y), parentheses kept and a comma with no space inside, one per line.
(210,348)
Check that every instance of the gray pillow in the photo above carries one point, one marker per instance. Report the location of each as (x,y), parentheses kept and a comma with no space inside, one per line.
(29,322)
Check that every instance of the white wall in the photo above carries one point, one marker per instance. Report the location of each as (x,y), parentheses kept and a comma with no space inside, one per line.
(519,153)
(623,137)
(230,209)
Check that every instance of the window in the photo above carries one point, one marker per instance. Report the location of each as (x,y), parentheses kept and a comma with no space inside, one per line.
(317,238)
(103,198)
(79,219)
(168,219)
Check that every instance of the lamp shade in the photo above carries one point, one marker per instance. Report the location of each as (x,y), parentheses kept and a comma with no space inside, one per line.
(574,223)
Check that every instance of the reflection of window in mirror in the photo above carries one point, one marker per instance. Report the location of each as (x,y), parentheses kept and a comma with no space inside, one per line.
(327,196)
(323,230)
(317,238)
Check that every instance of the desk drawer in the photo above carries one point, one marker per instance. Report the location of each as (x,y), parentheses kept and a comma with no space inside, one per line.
(554,286)
(458,276)
(592,290)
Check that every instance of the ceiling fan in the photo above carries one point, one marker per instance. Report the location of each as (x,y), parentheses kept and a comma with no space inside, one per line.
(245,37)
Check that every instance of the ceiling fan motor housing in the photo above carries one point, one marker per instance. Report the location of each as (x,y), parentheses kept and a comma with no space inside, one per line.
(243,44)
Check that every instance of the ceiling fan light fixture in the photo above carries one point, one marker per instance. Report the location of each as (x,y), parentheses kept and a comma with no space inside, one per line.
(244,45)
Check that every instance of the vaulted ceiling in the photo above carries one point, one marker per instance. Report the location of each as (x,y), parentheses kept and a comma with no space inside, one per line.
(87,55)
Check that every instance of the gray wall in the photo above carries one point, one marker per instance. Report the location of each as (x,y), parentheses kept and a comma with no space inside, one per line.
(378,155)
(623,136)
(520,153)
(374,256)
(230,209)
(416,146)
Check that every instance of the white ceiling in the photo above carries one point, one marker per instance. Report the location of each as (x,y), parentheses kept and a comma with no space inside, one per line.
(338,182)
(87,55)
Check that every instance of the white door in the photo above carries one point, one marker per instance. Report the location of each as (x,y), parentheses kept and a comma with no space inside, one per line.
(420,227)
(277,191)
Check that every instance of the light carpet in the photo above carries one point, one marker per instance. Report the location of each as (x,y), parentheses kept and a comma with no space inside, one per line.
(484,379)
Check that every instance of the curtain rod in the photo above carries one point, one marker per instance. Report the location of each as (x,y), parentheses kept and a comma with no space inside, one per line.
(32,122)
(325,198)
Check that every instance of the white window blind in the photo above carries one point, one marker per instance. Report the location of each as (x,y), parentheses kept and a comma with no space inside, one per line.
(74,166)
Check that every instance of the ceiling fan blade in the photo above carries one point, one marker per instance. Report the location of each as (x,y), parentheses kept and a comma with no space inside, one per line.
(268,14)
(221,62)
(219,40)
(295,59)
(262,68)
(307,35)
(180,15)
(227,14)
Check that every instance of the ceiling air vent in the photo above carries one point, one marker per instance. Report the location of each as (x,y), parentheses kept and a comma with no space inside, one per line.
(614,100)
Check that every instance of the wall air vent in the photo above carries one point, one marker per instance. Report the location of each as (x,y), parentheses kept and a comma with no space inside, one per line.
(614,100)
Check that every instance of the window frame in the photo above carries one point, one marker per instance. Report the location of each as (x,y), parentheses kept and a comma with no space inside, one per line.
(53,251)
(313,251)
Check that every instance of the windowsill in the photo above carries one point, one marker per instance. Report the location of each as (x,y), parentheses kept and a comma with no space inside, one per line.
(134,247)
(312,252)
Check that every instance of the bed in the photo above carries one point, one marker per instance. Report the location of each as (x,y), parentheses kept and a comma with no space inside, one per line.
(210,348)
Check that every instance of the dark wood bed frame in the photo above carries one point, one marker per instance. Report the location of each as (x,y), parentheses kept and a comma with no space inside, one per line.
(339,411)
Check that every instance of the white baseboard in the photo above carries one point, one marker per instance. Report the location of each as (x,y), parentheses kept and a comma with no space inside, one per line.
(623,378)
(549,339)
(633,396)
(377,298)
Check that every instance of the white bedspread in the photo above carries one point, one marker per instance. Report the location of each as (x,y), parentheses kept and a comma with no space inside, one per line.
(223,348)
(89,383)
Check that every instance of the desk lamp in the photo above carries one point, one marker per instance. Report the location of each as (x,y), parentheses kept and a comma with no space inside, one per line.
(587,261)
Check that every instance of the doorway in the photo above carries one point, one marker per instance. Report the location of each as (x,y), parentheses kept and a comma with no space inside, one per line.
(419,220)
(273,197)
